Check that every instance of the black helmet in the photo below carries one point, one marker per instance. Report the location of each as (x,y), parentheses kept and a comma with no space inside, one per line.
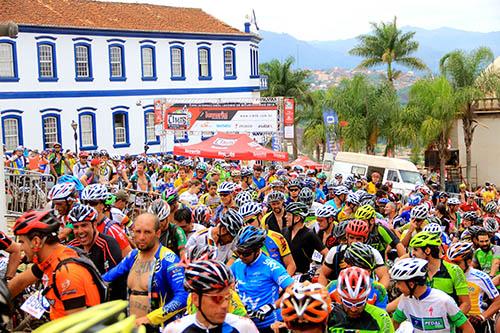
(297,208)
(360,255)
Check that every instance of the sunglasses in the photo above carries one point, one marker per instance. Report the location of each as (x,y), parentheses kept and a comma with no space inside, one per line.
(219,299)
(223,194)
(353,305)
(92,203)
(244,254)
(293,189)
(251,220)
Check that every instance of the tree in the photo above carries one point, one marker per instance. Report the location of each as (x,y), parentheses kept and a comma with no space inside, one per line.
(283,81)
(466,73)
(433,103)
(310,117)
(387,45)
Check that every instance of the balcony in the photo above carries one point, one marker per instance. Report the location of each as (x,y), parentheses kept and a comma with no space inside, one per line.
(263,82)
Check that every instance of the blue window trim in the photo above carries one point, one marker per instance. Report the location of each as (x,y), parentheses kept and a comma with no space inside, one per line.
(254,63)
(116,40)
(183,75)
(11,111)
(94,132)
(154,77)
(14,78)
(127,135)
(176,42)
(182,140)
(50,109)
(54,78)
(150,143)
(58,124)
(123,77)
(46,37)
(19,119)
(229,77)
(204,43)
(209,77)
(148,41)
(79,39)
(228,44)
(89,52)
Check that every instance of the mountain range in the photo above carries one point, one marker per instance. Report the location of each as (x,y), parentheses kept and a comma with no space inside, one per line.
(328,54)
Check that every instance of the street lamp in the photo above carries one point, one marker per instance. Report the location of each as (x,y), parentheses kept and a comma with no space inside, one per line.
(74,126)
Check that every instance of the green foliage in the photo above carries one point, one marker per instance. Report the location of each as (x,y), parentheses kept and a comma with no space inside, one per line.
(282,80)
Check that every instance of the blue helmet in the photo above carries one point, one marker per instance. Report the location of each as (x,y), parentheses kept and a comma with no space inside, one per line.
(251,238)
(414,200)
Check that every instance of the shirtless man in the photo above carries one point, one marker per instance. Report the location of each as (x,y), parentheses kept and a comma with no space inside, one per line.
(140,180)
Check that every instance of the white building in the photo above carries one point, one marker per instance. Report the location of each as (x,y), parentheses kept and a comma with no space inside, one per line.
(101,64)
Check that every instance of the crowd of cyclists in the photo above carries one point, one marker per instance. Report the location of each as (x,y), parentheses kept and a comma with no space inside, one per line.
(225,247)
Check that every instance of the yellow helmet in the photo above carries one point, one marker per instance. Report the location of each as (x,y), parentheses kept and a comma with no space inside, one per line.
(365,212)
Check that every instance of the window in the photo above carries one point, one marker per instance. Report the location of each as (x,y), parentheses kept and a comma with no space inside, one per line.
(392,175)
(116,63)
(149,128)
(12,131)
(358,170)
(51,129)
(177,63)
(8,61)
(204,70)
(148,59)
(83,62)
(229,64)
(120,129)
(87,131)
(254,63)
(47,70)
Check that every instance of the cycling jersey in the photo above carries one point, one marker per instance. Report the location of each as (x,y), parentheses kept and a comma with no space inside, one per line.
(380,237)
(236,307)
(302,247)
(258,284)
(111,228)
(371,320)
(335,260)
(451,279)
(168,296)
(484,259)
(434,311)
(378,294)
(275,246)
(270,222)
(204,237)
(479,284)
(174,238)
(232,324)
(121,218)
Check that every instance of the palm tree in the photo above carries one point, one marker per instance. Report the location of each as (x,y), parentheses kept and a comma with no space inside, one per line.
(283,81)
(387,45)
(310,117)
(433,103)
(466,73)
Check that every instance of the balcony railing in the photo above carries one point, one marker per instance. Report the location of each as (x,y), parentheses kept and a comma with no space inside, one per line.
(487,105)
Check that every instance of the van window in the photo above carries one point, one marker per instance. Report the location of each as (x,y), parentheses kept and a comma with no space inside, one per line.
(372,169)
(392,175)
(358,170)
(411,177)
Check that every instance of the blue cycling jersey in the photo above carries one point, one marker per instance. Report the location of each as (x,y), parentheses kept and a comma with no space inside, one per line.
(320,195)
(258,284)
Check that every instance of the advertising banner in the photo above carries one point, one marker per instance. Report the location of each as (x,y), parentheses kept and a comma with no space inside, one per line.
(288,111)
(221,118)
(330,119)
(158,107)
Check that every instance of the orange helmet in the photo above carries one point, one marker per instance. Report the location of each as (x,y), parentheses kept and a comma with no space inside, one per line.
(354,284)
(357,228)
(36,221)
(305,304)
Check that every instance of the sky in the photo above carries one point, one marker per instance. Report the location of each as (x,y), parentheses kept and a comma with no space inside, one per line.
(334,19)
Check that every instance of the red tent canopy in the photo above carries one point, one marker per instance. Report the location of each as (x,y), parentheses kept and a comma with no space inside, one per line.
(234,146)
(306,162)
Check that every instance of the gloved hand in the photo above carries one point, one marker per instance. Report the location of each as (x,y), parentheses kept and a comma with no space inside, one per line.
(263,312)
(476,320)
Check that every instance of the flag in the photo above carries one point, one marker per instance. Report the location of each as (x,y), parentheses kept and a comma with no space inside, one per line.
(330,119)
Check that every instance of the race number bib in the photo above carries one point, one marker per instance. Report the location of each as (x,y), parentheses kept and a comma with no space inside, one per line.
(318,257)
(36,305)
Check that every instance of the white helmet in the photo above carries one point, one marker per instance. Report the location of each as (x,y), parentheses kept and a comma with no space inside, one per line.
(226,187)
(62,191)
(419,212)
(408,268)
(95,192)
(160,209)
(453,201)
(249,209)
(326,211)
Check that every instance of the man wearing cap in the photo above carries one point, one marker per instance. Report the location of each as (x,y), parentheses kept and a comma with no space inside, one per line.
(57,161)
(82,165)
(116,211)
(17,161)
(92,174)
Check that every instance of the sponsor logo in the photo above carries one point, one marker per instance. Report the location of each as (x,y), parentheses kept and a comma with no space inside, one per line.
(224,142)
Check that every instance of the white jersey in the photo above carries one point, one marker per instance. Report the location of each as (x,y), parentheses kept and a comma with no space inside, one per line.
(435,311)
(232,323)
(204,237)
(479,283)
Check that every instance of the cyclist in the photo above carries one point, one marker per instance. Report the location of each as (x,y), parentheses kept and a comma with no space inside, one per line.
(226,193)
(210,284)
(339,196)
(275,219)
(441,274)
(183,219)
(294,187)
(349,208)
(258,278)
(486,254)
(490,224)
(418,216)
(202,215)
(326,218)
(63,197)
(354,314)
(479,283)
(14,251)
(427,308)
(69,287)
(154,280)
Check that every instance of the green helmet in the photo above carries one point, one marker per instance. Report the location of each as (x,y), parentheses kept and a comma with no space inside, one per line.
(424,239)
(110,200)
(365,212)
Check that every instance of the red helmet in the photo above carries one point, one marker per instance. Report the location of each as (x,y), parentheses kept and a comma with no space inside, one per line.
(83,154)
(36,220)
(357,228)
(354,284)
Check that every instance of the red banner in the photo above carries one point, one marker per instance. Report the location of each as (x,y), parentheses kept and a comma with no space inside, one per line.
(289,111)
(158,106)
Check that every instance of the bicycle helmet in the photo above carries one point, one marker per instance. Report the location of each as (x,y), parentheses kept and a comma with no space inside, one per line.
(466,236)
(207,275)
(453,201)
(490,224)
(294,183)
(419,212)
(365,212)
(168,168)
(433,219)
(460,251)
(321,175)
(37,221)
(339,190)
(201,214)
(414,200)
(71,179)
(357,228)
(115,157)
(338,175)
(354,283)
(95,192)
(245,172)
(276,183)
(490,207)
(326,211)
(297,208)
(250,238)
(159,209)
(232,221)
(360,255)
(305,303)
(250,209)
(82,213)
(201,252)
(110,201)
(352,198)
(340,229)
(276,196)
(471,216)
(424,239)
(306,196)
(62,191)
(83,154)
(170,196)
(242,198)
(409,269)
(202,166)
(475,230)
(433,228)
(187,163)
(226,187)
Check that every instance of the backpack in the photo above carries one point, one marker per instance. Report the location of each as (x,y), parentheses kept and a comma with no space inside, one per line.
(84,261)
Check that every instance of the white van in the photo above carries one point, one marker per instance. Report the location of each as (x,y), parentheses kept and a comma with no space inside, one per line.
(402,173)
